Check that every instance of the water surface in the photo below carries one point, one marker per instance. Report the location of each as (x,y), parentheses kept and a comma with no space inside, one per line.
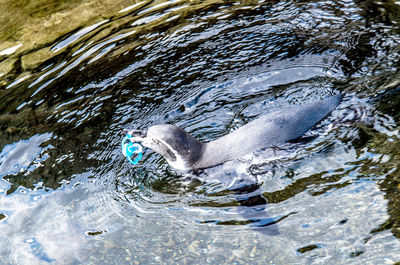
(70,82)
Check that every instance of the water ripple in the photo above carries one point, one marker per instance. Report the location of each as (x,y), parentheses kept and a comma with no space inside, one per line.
(208,67)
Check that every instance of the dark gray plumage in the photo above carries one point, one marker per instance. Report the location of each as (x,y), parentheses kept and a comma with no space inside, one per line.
(183,151)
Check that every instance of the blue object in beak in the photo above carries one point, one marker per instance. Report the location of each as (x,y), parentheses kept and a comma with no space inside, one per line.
(130,149)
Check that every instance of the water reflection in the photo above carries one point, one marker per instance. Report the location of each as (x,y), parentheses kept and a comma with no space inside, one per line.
(68,195)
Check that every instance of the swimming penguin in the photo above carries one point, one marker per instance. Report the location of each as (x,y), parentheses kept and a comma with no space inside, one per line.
(184,152)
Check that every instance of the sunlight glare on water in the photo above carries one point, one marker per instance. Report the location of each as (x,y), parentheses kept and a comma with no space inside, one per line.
(74,74)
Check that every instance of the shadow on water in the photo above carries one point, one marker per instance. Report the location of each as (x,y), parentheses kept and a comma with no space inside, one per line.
(67,92)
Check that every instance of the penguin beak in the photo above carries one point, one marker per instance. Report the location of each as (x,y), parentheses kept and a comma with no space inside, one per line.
(137,135)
